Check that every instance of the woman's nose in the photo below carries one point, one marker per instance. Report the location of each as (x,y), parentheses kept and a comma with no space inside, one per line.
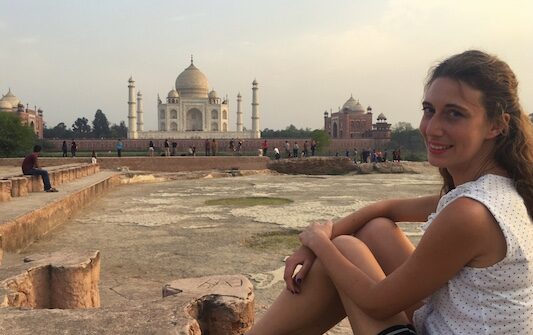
(434,126)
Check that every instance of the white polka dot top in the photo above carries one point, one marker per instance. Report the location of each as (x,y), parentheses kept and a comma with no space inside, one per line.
(497,299)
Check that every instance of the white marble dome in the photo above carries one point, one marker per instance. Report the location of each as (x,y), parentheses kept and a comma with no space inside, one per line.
(5,106)
(353,105)
(382,117)
(213,94)
(173,94)
(12,99)
(192,83)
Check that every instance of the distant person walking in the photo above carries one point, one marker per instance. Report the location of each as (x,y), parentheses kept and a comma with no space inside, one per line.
(295,149)
(119,147)
(30,166)
(151,149)
(64,148)
(73,148)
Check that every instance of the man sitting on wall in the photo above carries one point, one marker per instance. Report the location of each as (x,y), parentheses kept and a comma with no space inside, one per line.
(30,166)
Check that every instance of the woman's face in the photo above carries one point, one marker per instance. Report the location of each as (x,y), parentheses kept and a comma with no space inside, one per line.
(455,127)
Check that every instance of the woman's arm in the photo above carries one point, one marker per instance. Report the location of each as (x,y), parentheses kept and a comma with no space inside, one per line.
(397,210)
(463,232)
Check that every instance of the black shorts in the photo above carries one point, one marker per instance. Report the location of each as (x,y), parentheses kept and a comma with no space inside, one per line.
(399,330)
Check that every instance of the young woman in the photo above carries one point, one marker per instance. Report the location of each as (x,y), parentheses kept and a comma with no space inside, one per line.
(472,272)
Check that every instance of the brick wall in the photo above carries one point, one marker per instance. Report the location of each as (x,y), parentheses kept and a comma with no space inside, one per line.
(158,163)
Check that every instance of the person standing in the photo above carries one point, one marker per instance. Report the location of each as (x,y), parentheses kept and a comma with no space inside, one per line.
(151,149)
(313,147)
(73,148)
(295,149)
(64,148)
(167,148)
(288,149)
(207,145)
(264,146)
(306,149)
(119,146)
(30,166)
(93,157)
(214,147)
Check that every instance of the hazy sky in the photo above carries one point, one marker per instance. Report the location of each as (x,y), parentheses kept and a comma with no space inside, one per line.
(72,57)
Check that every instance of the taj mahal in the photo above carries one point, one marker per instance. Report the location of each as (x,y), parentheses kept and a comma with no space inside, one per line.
(191,111)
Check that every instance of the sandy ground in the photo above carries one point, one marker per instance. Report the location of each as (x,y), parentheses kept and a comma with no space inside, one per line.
(150,234)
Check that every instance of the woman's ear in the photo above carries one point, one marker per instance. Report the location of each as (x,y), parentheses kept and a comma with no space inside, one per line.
(499,127)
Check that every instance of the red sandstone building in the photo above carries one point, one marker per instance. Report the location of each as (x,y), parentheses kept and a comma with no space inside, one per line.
(353,122)
(31,117)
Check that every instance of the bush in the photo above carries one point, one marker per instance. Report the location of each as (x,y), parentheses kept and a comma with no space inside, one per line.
(16,139)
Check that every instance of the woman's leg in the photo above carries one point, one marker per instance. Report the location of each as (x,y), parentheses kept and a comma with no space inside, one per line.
(359,254)
(318,307)
(390,247)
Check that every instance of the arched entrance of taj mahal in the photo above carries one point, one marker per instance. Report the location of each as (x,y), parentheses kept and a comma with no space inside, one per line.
(194,120)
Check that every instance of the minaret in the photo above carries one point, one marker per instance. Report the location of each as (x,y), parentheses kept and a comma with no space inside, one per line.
(132,126)
(140,121)
(239,112)
(255,112)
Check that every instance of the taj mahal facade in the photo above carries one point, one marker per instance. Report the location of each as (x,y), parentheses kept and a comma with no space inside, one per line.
(190,111)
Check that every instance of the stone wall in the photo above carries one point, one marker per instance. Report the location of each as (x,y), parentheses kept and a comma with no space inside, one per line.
(163,164)
(249,145)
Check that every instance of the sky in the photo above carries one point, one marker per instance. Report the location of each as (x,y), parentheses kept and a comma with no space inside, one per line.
(72,57)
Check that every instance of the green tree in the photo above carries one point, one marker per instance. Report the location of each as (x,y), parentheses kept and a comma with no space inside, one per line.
(409,141)
(100,125)
(59,131)
(15,138)
(81,127)
(119,131)
(321,138)
(289,132)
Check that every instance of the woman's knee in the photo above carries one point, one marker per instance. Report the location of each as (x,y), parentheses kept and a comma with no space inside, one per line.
(350,245)
(376,228)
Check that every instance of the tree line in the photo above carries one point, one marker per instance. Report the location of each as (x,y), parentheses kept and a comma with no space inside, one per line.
(17,139)
(81,128)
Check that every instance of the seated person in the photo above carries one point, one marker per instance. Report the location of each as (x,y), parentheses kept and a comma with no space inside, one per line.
(30,166)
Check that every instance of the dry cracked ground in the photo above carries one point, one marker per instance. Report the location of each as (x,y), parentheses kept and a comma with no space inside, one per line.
(150,234)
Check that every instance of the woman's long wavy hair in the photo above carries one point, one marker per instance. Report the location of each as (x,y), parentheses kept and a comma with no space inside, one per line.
(498,84)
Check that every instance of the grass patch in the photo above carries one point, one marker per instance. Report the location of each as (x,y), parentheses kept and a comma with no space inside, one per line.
(285,239)
(248,201)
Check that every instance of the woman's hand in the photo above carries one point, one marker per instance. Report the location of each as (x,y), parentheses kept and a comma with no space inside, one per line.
(304,257)
(316,233)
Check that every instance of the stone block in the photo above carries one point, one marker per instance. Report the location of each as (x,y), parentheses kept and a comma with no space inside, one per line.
(224,305)
(5,189)
(1,250)
(36,184)
(19,186)
(63,280)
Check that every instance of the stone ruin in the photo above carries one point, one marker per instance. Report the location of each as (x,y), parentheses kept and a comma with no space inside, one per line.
(35,290)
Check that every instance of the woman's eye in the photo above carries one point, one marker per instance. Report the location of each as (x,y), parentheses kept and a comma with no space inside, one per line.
(427,110)
(455,114)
